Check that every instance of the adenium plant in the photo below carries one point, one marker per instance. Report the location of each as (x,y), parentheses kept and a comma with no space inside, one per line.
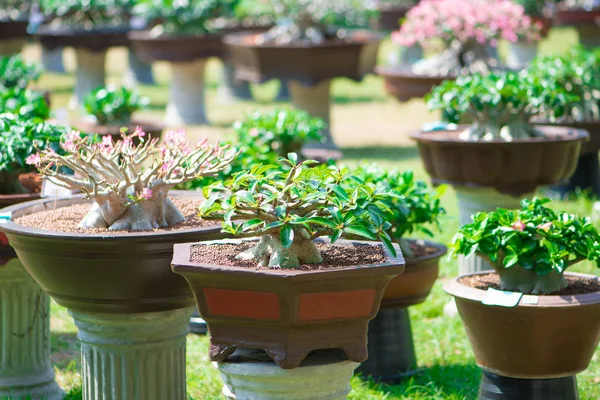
(15,72)
(111,105)
(89,14)
(418,208)
(128,184)
(287,210)
(25,103)
(500,104)
(530,248)
(174,17)
(466,28)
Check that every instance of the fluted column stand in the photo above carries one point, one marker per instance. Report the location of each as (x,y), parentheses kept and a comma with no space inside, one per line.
(52,60)
(324,375)
(133,356)
(90,73)
(138,71)
(229,88)
(316,101)
(186,94)
(25,369)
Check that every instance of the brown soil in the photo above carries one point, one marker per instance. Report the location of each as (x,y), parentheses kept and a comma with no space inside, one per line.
(576,284)
(334,256)
(66,219)
(421,250)
(551,133)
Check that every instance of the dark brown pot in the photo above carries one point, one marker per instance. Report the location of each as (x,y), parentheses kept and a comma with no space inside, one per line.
(104,272)
(578,17)
(13,29)
(287,313)
(93,40)
(593,128)
(390,16)
(554,338)
(352,58)
(415,283)
(514,168)
(404,84)
(152,128)
(176,48)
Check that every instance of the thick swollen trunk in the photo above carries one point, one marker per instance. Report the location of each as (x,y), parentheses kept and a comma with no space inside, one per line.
(156,212)
(500,131)
(518,279)
(270,252)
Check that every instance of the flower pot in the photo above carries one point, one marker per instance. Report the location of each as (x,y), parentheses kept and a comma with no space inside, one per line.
(587,24)
(123,297)
(287,313)
(390,16)
(13,29)
(541,338)
(404,84)
(514,168)
(153,129)
(520,54)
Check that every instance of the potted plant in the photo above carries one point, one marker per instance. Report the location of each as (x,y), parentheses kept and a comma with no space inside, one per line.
(391,346)
(15,72)
(13,26)
(184,35)
(310,45)
(111,249)
(501,156)
(521,52)
(583,15)
(283,291)
(529,291)
(91,28)
(110,108)
(25,103)
(467,30)
(390,13)
(25,368)
(578,71)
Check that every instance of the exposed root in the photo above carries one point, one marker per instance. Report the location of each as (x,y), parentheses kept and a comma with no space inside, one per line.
(270,252)
(518,279)
(498,131)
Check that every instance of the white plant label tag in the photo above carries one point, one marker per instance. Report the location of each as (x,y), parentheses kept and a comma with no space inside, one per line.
(529,299)
(49,189)
(501,298)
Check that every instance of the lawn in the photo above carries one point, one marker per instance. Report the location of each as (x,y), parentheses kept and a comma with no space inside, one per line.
(368,126)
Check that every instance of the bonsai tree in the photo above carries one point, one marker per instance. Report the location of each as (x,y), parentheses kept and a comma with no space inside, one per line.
(530,248)
(500,104)
(113,105)
(171,17)
(91,14)
(128,184)
(19,139)
(252,12)
(418,207)
(466,28)
(15,72)
(287,210)
(25,103)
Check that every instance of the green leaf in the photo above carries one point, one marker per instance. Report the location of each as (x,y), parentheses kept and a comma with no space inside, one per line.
(286,236)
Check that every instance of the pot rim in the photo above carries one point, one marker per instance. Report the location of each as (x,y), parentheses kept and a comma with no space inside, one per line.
(145,36)
(457,289)
(441,251)
(401,72)
(182,264)
(50,31)
(572,134)
(10,227)
(370,37)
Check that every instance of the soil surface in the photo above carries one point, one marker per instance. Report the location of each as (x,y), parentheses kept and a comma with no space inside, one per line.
(576,284)
(421,249)
(66,219)
(334,256)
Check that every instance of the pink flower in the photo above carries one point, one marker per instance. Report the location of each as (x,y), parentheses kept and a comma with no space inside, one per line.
(34,159)
(146,193)
(518,226)
(545,227)
(138,132)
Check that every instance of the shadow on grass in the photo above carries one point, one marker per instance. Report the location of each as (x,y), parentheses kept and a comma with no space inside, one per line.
(65,350)
(356,99)
(456,381)
(74,394)
(381,153)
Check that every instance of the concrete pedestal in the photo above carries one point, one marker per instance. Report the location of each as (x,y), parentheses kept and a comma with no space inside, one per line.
(138,71)
(8,47)
(52,60)
(520,54)
(316,101)
(472,201)
(186,94)
(589,35)
(25,368)
(283,95)
(229,89)
(90,74)
(133,356)
(324,375)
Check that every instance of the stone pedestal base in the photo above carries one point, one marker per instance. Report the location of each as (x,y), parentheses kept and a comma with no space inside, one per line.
(133,356)
(589,35)
(496,387)
(230,89)
(25,369)
(324,375)
(8,47)
(52,60)
(520,54)
(138,72)
(186,94)
(283,95)
(316,101)
(90,74)
(472,201)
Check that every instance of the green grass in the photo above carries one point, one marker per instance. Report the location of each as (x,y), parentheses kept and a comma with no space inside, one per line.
(368,126)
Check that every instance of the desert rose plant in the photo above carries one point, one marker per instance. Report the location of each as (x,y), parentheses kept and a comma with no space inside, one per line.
(172,17)
(287,210)
(113,105)
(128,184)
(530,248)
(501,104)
(25,103)
(465,28)
(417,209)
(15,72)
(90,14)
